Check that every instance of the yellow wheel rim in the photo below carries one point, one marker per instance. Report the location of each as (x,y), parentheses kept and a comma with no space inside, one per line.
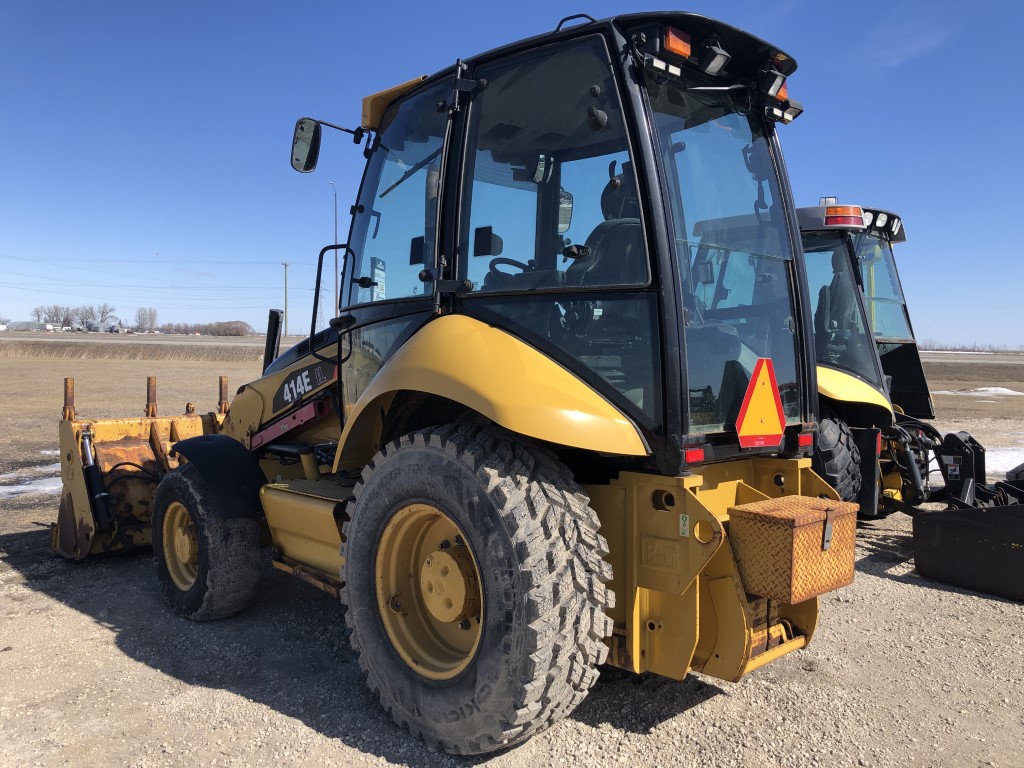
(428,592)
(180,546)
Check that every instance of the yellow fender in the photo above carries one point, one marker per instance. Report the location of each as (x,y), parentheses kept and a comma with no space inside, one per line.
(497,375)
(849,389)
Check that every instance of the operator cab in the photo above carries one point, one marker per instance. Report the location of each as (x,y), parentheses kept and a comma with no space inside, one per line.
(629,218)
(862,325)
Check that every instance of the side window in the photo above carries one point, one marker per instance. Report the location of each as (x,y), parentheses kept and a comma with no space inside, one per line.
(394,235)
(548,167)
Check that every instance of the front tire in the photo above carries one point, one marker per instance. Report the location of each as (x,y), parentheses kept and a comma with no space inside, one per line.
(207,565)
(517,645)
(836,458)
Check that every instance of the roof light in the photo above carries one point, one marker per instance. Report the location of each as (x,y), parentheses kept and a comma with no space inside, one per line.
(868,218)
(844,215)
(897,225)
(712,58)
(770,81)
(881,220)
(678,43)
(659,65)
(793,110)
(828,201)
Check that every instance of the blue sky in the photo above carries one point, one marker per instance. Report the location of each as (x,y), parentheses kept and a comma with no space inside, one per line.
(144,145)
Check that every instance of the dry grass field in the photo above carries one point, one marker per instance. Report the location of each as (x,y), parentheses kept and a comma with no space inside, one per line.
(97,671)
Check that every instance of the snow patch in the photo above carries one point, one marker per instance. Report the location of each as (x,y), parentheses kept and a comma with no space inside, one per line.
(27,480)
(48,485)
(982,392)
(24,472)
(955,352)
(999,461)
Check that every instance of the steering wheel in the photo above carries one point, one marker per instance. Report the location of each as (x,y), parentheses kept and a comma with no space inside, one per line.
(500,261)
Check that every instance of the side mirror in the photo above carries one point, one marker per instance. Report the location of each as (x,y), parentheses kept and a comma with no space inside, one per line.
(564,211)
(305,144)
(705,273)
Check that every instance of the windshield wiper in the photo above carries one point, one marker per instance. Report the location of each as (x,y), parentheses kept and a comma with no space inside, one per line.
(419,166)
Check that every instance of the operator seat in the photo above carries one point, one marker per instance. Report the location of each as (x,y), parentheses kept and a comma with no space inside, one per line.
(834,317)
(617,244)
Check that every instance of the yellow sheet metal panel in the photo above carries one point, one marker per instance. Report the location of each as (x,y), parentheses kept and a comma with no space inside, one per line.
(499,376)
(375,104)
(660,539)
(850,389)
(680,599)
(304,528)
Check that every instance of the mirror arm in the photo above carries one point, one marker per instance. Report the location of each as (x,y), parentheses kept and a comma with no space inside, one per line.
(357,134)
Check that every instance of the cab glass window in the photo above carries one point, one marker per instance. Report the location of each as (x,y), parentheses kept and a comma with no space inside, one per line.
(394,232)
(732,246)
(841,338)
(887,312)
(551,229)
(551,193)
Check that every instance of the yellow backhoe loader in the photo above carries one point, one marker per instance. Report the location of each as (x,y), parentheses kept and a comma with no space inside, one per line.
(875,443)
(564,415)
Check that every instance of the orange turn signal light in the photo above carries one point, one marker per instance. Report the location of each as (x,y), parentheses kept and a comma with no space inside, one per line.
(677,42)
(783,94)
(849,215)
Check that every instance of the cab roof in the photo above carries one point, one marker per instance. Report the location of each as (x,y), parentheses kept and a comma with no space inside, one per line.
(749,54)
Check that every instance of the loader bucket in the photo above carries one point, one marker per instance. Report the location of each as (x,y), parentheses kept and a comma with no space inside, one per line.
(110,469)
(979,548)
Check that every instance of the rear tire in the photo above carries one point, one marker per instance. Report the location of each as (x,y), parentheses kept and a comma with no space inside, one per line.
(207,565)
(531,650)
(837,459)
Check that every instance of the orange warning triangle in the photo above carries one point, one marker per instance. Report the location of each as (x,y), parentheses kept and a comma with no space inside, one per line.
(761,421)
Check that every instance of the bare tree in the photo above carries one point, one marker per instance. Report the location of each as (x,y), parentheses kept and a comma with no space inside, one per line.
(4,320)
(85,314)
(38,313)
(106,312)
(145,318)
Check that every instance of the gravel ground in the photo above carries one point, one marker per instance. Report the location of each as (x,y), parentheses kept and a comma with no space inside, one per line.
(96,671)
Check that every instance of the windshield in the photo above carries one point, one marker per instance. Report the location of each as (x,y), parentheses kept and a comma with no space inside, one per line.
(887,312)
(733,248)
(841,337)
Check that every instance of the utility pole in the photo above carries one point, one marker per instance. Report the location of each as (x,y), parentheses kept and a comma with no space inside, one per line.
(285,265)
(334,312)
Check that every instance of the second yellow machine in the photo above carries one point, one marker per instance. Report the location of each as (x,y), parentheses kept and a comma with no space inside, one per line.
(565,413)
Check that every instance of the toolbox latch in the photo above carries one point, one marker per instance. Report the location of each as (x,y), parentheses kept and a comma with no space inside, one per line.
(826,534)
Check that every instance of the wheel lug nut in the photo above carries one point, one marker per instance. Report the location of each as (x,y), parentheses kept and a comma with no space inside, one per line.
(459,541)
(429,561)
(395,604)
